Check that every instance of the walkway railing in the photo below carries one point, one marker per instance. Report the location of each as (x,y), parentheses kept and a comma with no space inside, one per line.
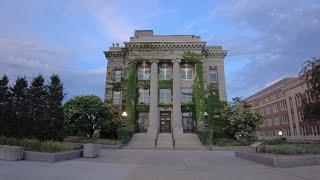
(173,140)
(156,141)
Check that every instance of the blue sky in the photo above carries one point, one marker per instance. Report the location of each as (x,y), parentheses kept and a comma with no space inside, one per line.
(266,39)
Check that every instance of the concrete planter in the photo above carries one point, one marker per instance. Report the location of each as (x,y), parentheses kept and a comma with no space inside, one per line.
(282,161)
(91,150)
(51,157)
(11,153)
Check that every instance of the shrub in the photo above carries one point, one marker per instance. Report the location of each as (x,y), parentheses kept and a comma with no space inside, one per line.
(231,142)
(290,149)
(37,145)
(125,133)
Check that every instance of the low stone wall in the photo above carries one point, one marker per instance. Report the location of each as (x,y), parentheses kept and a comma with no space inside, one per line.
(281,161)
(51,157)
(232,148)
(11,153)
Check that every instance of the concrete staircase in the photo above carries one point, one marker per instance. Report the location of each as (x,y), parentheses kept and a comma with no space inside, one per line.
(188,141)
(141,141)
(164,141)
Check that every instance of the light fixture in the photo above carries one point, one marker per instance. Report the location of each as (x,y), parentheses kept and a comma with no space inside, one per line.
(205,114)
(124,114)
(280,133)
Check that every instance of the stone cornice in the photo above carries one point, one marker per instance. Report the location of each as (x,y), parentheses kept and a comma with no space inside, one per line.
(164,45)
(214,52)
(114,54)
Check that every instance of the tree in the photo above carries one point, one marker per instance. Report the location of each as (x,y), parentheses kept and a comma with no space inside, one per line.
(5,105)
(311,74)
(38,122)
(55,116)
(241,119)
(84,115)
(20,108)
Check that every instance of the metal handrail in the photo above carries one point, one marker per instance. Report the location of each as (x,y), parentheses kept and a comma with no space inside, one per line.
(173,140)
(156,141)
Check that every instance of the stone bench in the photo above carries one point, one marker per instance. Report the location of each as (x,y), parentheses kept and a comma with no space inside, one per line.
(11,153)
(91,150)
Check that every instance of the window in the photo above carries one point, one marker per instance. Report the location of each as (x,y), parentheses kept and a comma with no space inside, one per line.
(165,96)
(213,75)
(143,73)
(186,73)
(186,96)
(116,97)
(117,76)
(187,122)
(143,122)
(276,120)
(165,73)
(144,96)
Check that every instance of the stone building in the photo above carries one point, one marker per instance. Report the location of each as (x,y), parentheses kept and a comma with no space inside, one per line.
(281,106)
(164,78)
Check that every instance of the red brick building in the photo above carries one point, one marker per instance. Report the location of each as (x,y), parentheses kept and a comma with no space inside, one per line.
(280,106)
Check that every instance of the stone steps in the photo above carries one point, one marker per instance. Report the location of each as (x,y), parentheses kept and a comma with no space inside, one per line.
(141,141)
(164,141)
(188,141)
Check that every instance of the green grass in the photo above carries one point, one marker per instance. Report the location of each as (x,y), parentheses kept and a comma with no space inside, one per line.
(37,145)
(291,149)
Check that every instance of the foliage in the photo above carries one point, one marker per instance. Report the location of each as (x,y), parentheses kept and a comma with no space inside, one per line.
(188,107)
(84,115)
(311,74)
(125,133)
(20,107)
(165,106)
(6,119)
(142,108)
(84,140)
(109,130)
(55,113)
(144,84)
(37,125)
(214,107)
(131,93)
(198,91)
(290,149)
(37,145)
(116,86)
(165,84)
(241,119)
(231,142)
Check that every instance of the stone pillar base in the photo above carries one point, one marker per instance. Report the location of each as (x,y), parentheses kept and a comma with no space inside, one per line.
(177,130)
(152,130)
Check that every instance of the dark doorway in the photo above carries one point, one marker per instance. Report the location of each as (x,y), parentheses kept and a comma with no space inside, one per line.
(165,121)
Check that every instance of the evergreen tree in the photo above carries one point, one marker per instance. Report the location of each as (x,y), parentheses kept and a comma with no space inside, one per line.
(5,105)
(37,123)
(20,108)
(55,109)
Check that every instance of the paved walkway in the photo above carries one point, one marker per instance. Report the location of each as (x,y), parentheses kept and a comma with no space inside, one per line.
(153,165)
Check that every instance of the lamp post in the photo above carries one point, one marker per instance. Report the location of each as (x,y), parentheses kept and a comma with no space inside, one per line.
(205,114)
(280,135)
(124,116)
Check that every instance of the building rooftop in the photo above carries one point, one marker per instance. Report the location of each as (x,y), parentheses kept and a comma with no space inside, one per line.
(148,36)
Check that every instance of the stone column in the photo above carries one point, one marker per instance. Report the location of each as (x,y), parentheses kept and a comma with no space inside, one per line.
(176,105)
(153,104)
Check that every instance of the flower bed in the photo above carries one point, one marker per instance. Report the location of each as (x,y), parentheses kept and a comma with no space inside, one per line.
(83,140)
(291,149)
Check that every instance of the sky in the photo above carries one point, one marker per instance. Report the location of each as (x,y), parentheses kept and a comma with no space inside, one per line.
(266,39)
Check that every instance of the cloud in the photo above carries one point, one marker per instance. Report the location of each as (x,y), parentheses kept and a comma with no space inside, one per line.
(273,38)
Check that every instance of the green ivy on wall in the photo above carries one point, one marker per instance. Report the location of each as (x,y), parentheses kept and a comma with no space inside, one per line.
(165,106)
(144,84)
(165,84)
(142,108)
(131,93)
(116,86)
(198,91)
(188,107)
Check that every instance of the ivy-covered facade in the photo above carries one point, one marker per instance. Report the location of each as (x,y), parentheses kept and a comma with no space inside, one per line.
(161,80)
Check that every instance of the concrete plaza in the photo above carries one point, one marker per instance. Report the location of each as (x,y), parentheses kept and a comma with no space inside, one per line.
(150,164)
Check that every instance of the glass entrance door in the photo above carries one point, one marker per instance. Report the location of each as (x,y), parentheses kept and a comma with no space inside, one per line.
(187,122)
(165,121)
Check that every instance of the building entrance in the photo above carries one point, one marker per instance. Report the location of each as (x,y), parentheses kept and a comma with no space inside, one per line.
(165,121)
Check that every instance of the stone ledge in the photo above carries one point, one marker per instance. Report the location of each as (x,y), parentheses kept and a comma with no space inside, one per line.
(11,153)
(232,148)
(51,157)
(281,161)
